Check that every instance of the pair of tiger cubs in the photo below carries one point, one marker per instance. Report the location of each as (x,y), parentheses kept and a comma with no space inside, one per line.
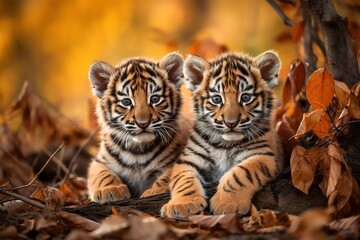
(147,146)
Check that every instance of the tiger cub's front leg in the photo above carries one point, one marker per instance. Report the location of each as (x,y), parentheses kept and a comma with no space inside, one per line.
(161,185)
(187,193)
(238,186)
(104,185)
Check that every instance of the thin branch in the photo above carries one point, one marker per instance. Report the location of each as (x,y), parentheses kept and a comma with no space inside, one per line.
(317,40)
(310,57)
(340,131)
(73,160)
(41,170)
(281,13)
(22,198)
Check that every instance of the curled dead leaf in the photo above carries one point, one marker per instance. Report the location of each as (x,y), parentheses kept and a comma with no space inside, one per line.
(303,164)
(354,106)
(308,122)
(342,93)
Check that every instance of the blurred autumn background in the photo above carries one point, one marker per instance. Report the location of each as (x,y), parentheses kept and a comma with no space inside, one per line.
(46,48)
(52,43)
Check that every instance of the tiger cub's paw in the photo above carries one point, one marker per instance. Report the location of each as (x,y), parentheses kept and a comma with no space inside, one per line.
(111,193)
(154,191)
(229,202)
(183,207)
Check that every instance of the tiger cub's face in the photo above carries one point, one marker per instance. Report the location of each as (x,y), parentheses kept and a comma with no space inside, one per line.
(139,100)
(232,96)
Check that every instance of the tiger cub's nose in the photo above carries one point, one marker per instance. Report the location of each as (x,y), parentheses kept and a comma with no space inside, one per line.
(231,124)
(142,124)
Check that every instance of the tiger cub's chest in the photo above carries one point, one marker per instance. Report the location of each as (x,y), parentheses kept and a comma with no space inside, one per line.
(225,159)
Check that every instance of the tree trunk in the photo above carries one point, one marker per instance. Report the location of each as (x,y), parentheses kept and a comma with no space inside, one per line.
(339,46)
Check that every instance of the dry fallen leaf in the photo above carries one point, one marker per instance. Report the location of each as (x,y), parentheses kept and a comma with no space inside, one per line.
(303,164)
(76,221)
(228,222)
(310,223)
(74,189)
(110,227)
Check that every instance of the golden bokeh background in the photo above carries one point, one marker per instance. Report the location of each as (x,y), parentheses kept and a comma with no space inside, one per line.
(51,43)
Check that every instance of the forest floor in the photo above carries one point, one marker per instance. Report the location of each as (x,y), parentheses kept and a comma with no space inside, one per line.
(43,193)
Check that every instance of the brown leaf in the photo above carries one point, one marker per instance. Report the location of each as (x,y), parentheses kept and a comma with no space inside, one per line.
(33,112)
(321,128)
(341,195)
(324,166)
(320,88)
(343,117)
(53,197)
(342,93)
(111,226)
(76,221)
(74,189)
(48,225)
(340,181)
(44,123)
(336,162)
(78,234)
(131,227)
(295,81)
(303,164)
(10,232)
(228,222)
(309,121)
(354,105)
(298,31)
(310,223)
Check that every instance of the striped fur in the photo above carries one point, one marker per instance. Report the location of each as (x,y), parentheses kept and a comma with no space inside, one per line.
(139,114)
(233,141)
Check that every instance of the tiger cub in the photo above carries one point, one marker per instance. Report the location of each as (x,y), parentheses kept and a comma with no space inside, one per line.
(138,112)
(233,141)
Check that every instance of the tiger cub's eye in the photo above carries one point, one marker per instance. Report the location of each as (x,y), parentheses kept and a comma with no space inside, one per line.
(126,102)
(216,99)
(154,99)
(245,97)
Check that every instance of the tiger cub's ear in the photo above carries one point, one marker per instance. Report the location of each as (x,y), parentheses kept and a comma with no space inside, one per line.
(194,68)
(269,66)
(173,65)
(99,75)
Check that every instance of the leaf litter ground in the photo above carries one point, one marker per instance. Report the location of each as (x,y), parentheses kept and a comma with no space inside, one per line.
(43,192)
